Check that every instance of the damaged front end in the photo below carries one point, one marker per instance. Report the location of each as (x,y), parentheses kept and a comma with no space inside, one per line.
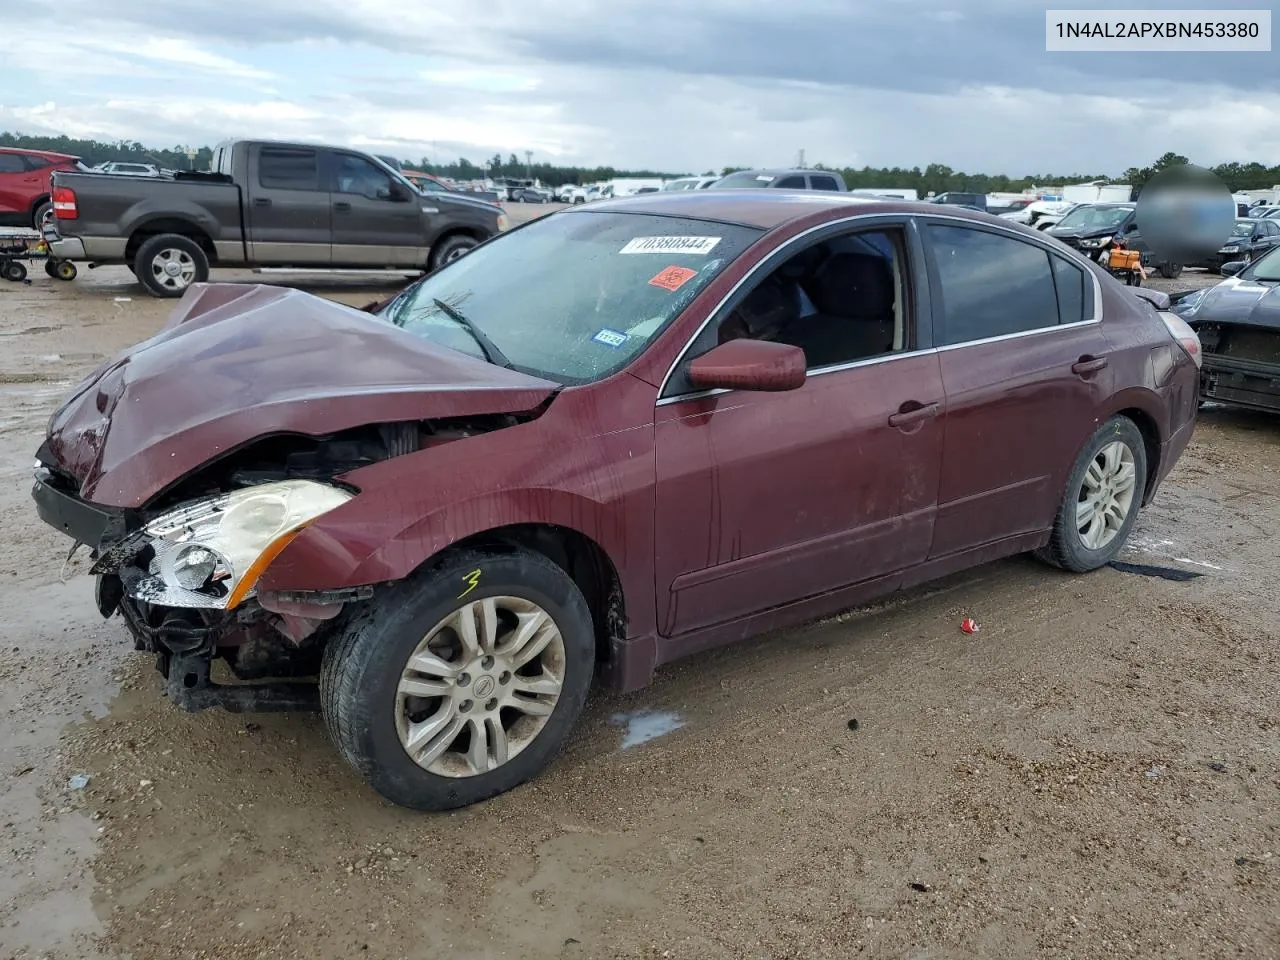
(183,579)
(1241,364)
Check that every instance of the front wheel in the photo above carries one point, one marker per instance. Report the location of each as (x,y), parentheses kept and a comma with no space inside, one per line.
(15,271)
(65,270)
(169,263)
(1171,271)
(1100,505)
(450,249)
(462,681)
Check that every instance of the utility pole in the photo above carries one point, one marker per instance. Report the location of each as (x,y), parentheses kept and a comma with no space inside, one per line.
(528,164)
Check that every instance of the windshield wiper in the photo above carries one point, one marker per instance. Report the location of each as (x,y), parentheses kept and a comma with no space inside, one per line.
(487,346)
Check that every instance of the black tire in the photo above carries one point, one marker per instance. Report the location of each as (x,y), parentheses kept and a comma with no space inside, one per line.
(15,271)
(1171,271)
(65,270)
(51,268)
(1066,549)
(364,662)
(148,264)
(43,209)
(450,248)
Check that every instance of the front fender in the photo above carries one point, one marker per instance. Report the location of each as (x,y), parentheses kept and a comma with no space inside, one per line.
(349,548)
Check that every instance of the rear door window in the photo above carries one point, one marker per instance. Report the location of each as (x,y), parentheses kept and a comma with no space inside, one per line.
(289,168)
(790,183)
(823,183)
(989,285)
(12,163)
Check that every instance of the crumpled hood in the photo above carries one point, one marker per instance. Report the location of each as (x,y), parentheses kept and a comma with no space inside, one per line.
(1240,301)
(237,362)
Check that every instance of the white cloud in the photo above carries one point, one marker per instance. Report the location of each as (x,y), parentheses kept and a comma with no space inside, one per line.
(637,83)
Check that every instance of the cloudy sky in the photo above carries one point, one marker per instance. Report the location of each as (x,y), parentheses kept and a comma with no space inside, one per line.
(633,83)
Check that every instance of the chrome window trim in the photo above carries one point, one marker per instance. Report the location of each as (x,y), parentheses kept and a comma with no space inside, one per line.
(1062,250)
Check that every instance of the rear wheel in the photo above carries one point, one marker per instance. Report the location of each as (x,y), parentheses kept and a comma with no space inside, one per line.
(462,681)
(1101,502)
(65,270)
(170,263)
(51,268)
(42,212)
(1171,271)
(15,271)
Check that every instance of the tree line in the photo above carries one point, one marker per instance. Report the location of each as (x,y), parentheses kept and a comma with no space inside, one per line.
(934,178)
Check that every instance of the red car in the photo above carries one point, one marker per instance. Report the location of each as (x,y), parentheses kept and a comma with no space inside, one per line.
(25,184)
(612,437)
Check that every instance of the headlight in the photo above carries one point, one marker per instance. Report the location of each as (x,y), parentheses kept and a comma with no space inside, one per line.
(210,553)
(1231,249)
(503,222)
(1095,242)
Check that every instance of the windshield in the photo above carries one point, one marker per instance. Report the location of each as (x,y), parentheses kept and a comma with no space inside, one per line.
(1243,228)
(1265,268)
(572,297)
(1095,218)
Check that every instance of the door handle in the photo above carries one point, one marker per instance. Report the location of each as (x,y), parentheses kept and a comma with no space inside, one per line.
(1087,365)
(262,202)
(342,206)
(913,412)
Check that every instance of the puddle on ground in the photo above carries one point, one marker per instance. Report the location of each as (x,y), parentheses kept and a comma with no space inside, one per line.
(645,725)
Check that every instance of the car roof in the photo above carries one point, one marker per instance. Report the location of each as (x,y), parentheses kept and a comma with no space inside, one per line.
(761,208)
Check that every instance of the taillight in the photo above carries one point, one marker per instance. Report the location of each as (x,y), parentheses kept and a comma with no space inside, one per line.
(64,203)
(1187,338)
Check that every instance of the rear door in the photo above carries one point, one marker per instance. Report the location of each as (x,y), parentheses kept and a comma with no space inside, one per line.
(287,217)
(1025,371)
(374,223)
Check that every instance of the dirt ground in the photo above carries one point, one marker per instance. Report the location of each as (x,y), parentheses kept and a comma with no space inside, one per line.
(1095,774)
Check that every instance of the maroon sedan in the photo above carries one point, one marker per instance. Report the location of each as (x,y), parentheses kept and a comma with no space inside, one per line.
(618,435)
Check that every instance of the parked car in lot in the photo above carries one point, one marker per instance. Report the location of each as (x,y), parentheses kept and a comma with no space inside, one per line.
(1092,228)
(1238,322)
(125,169)
(689,183)
(1250,239)
(973,201)
(25,177)
(825,180)
(532,195)
(265,204)
(621,434)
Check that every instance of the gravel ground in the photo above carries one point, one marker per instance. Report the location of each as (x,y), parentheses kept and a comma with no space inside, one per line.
(1096,773)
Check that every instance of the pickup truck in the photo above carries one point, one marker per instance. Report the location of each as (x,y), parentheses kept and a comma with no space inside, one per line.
(264,204)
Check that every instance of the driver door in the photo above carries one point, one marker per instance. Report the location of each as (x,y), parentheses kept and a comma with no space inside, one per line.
(764,499)
(377,221)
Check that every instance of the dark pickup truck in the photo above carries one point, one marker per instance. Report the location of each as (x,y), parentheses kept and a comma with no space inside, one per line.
(264,204)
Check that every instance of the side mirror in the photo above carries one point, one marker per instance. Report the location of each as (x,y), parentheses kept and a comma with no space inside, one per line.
(1232,267)
(749,365)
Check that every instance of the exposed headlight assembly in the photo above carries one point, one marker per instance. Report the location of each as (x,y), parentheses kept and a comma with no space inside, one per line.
(209,554)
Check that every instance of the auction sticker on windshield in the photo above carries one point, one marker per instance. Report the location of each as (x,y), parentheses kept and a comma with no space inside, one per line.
(698,245)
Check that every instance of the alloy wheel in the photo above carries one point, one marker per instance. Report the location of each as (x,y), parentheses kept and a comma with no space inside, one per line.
(173,269)
(480,686)
(1106,495)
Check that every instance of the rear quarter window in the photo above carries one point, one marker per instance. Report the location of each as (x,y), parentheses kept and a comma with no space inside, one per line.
(288,168)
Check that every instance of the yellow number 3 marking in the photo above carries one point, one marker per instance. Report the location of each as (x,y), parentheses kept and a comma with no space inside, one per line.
(472,579)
